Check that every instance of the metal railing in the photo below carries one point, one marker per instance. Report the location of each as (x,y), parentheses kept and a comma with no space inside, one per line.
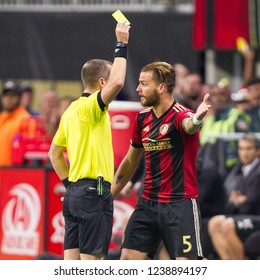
(186,6)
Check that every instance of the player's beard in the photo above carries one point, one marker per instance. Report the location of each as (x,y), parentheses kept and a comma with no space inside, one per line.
(151,100)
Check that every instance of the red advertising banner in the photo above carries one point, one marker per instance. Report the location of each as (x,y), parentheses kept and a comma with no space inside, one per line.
(218,23)
(21,213)
(122,115)
(31,214)
(199,25)
(55,221)
(231,21)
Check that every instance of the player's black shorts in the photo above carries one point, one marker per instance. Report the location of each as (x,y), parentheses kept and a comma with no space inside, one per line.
(246,225)
(88,217)
(177,224)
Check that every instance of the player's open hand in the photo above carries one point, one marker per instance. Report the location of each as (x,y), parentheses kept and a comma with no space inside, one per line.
(203,108)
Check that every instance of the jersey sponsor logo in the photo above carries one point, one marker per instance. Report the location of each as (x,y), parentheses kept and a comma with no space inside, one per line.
(164,128)
(157,145)
(20,221)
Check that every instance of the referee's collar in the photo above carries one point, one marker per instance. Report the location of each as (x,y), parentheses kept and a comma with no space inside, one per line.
(85,94)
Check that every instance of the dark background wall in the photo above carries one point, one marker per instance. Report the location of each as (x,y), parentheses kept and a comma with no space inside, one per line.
(54,46)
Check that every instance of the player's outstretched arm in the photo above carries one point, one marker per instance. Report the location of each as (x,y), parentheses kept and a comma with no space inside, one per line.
(192,124)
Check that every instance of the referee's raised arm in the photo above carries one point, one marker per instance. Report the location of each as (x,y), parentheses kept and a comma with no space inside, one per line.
(118,71)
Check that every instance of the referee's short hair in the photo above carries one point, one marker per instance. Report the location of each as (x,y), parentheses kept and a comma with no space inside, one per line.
(93,70)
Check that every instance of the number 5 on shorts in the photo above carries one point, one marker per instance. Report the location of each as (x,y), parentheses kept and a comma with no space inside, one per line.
(187,243)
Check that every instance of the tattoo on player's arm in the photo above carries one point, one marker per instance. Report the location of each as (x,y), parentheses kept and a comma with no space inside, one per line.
(189,126)
(118,178)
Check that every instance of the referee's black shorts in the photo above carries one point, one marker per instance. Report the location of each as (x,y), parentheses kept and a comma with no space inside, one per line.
(88,217)
(177,224)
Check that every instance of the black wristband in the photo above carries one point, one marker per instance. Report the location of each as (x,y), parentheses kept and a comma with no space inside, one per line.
(120,50)
(65,182)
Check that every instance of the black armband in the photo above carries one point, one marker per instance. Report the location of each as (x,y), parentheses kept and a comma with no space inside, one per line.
(65,182)
(120,50)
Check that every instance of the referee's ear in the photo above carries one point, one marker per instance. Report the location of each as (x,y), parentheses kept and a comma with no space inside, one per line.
(101,82)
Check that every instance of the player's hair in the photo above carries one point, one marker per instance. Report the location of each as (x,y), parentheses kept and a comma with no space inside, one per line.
(163,72)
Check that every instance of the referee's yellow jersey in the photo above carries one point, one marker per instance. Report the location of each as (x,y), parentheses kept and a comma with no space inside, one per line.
(85,131)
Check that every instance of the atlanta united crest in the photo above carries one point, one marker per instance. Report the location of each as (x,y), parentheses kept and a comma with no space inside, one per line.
(164,128)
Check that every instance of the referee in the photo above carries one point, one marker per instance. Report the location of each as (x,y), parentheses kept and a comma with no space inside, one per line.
(85,133)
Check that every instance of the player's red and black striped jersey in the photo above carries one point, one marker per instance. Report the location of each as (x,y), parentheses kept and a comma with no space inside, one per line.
(170,154)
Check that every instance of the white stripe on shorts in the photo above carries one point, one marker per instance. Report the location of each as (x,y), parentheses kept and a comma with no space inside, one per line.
(197,226)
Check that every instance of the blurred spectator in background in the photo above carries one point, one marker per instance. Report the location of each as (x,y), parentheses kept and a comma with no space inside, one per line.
(221,104)
(226,118)
(253,87)
(181,71)
(239,180)
(11,118)
(211,191)
(228,232)
(205,89)
(191,91)
(252,246)
(48,110)
(248,68)
(1,107)
(27,98)
(212,197)
(238,120)
(63,104)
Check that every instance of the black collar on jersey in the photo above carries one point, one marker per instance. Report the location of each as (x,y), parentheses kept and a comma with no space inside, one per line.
(166,112)
(101,104)
(85,94)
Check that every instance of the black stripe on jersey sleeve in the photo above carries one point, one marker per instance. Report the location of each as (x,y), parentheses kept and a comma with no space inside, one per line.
(101,104)
(140,120)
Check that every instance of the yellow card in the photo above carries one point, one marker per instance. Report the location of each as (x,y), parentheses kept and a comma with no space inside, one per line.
(119,17)
(242,45)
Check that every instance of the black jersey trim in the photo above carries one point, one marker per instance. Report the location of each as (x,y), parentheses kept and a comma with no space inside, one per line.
(101,104)
(85,94)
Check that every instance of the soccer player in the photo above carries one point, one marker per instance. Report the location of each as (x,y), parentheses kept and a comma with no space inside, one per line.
(168,133)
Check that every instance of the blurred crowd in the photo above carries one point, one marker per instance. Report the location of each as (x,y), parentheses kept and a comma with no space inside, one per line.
(228,160)
(19,121)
